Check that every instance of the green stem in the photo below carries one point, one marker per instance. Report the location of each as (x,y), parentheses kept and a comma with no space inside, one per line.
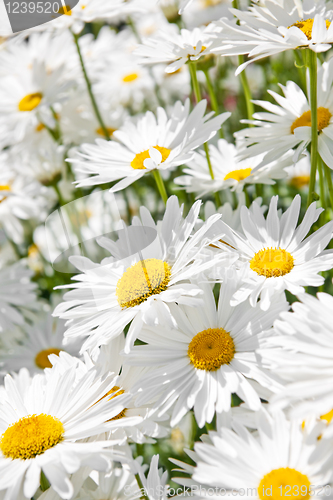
(327,172)
(247,197)
(321,184)
(197,93)
(141,487)
(57,128)
(160,185)
(195,84)
(213,99)
(246,90)
(60,197)
(314,123)
(44,483)
(300,65)
(90,92)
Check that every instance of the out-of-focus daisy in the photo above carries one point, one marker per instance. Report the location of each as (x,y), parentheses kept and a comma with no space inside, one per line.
(153,143)
(276,27)
(43,337)
(25,101)
(45,433)
(256,465)
(203,12)
(275,255)
(289,125)
(208,355)
(150,268)
(299,174)
(21,199)
(17,295)
(301,354)
(175,49)
(229,172)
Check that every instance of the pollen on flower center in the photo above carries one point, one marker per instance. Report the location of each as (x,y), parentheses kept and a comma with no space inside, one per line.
(130,77)
(4,187)
(327,416)
(281,481)
(299,181)
(42,358)
(116,391)
(138,160)
(239,175)
(110,131)
(31,436)
(323,118)
(272,262)
(306,27)
(66,9)
(140,281)
(30,101)
(211,348)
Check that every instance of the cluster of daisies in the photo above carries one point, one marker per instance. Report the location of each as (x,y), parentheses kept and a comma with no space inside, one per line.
(166,254)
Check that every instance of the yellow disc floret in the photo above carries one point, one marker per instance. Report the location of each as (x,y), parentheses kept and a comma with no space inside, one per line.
(140,281)
(280,483)
(30,101)
(31,436)
(299,181)
(323,119)
(272,262)
(238,175)
(137,162)
(211,348)
(131,77)
(42,358)
(66,9)
(306,27)
(328,416)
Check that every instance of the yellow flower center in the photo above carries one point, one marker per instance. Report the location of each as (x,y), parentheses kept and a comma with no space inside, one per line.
(116,391)
(42,358)
(110,130)
(211,348)
(66,9)
(131,77)
(4,187)
(323,118)
(202,48)
(30,101)
(328,416)
(280,483)
(272,262)
(300,181)
(31,436)
(138,160)
(140,281)
(40,127)
(239,175)
(306,27)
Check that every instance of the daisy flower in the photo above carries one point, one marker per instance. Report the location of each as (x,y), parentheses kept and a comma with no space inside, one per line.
(43,337)
(299,174)
(44,420)
(272,462)
(154,484)
(229,172)
(206,356)
(275,255)
(288,125)
(275,27)
(26,98)
(158,258)
(175,48)
(152,143)
(300,353)
(17,295)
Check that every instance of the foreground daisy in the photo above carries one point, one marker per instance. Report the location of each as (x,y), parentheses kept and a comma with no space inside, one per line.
(270,463)
(43,422)
(229,172)
(151,267)
(152,143)
(276,27)
(275,255)
(301,353)
(289,125)
(208,355)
